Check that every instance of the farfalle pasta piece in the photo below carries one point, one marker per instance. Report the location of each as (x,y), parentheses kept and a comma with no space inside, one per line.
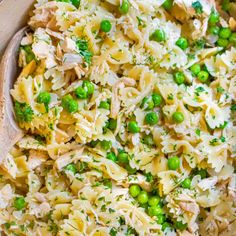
(214,150)
(184,207)
(169,180)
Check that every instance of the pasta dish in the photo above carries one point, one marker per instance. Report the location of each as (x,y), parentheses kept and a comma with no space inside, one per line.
(129,114)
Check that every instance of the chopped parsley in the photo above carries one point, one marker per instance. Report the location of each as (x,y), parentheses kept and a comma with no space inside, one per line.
(170,96)
(224,125)
(113,232)
(200,44)
(199,90)
(197,7)
(233,107)
(220,90)
(222,139)
(24,112)
(214,142)
(82,46)
(41,139)
(149,177)
(140,22)
(198,132)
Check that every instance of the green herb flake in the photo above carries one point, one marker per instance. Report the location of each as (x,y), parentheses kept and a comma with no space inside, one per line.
(140,22)
(24,112)
(233,107)
(224,125)
(200,44)
(149,177)
(82,46)
(113,232)
(197,7)
(170,96)
(214,142)
(198,132)
(222,139)
(220,90)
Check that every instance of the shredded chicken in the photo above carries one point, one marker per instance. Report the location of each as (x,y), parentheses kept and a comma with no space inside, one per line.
(6,194)
(115,102)
(43,16)
(207,183)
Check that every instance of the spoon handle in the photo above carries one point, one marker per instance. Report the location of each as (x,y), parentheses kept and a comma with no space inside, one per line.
(10,133)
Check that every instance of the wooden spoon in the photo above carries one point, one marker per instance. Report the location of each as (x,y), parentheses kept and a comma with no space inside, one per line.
(10,133)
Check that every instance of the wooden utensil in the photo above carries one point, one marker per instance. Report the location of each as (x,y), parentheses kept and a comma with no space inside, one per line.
(10,133)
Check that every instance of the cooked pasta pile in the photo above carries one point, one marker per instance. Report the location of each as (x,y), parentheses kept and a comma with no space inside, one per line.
(128,109)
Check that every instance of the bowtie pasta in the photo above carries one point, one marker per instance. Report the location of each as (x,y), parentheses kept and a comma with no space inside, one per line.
(128,108)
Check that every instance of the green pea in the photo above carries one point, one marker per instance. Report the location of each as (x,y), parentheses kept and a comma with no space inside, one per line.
(214,18)
(225,33)
(178,117)
(186,183)
(157,99)
(158,35)
(134,190)
(154,201)
(179,77)
(72,167)
(195,69)
(202,172)
(105,26)
(124,7)
(130,170)
(44,97)
(106,145)
(69,104)
(154,211)
(88,86)
(167,5)
(165,225)
(123,157)
(222,42)
(104,105)
(160,219)
(203,76)
(112,156)
(19,203)
(81,93)
(147,103)
(182,43)
(148,140)
(151,118)
(232,38)
(133,127)
(76,3)
(143,197)
(112,124)
(214,30)
(180,225)
(173,163)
